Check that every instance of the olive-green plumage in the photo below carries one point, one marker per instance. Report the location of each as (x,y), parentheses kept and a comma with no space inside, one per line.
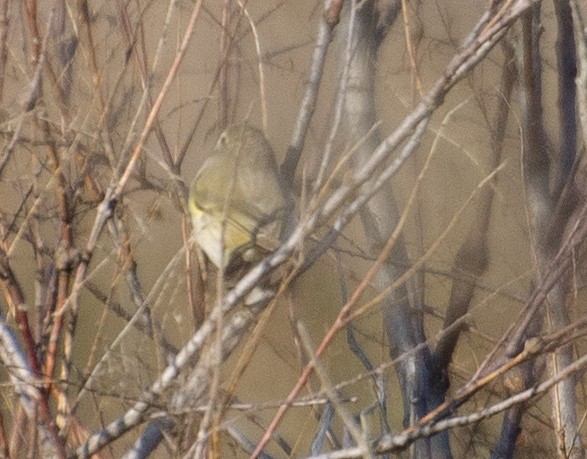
(237,200)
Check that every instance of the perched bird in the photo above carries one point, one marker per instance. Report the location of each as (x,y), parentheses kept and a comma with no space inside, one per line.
(237,200)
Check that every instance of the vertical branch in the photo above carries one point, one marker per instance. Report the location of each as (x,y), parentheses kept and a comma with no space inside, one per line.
(4,26)
(331,17)
(213,82)
(567,71)
(262,91)
(90,52)
(11,287)
(536,168)
(472,258)
(580,27)
(223,70)
(15,299)
(402,316)
(140,60)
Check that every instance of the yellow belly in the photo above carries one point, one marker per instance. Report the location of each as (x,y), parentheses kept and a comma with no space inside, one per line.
(218,237)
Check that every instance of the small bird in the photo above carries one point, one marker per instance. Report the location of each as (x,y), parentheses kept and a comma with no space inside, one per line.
(238,203)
